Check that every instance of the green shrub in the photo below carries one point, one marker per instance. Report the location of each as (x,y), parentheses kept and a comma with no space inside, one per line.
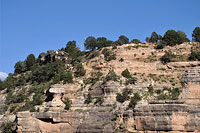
(194,55)
(168,93)
(88,99)
(20,96)
(17,97)
(132,80)
(158,91)
(174,93)
(21,81)
(108,54)
(1,85)
(134,100)
(67,77)
(124,96)
(8,127)
(78,60)
(28,106)
(80,71)
(167,57)
(121,60)
(99,100)
(38,99)
(32,109)
(160,45)
(92,54)
(112,76)
(3,109)
(114,47)
(136,41)
(12,108)
(45,109)
(120,98)
(67,103)
(150,89)
(126,74)
(10,98)
(94,77)
(46,72)
(56,78)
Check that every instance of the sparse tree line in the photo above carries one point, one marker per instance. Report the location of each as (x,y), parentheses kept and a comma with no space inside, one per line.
(170,38)
(45,72)
(38,70)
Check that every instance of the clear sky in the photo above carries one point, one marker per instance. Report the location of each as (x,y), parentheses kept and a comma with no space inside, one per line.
(35,26)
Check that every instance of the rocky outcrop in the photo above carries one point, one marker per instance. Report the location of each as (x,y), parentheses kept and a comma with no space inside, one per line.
(158,116)
(166,117)
(65,122)
(183,64)
(106,89)
(57,92)
(51,56)
(191,86)
(170,116)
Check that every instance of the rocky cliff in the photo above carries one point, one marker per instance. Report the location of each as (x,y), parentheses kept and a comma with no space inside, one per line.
(160,115)
(152,97)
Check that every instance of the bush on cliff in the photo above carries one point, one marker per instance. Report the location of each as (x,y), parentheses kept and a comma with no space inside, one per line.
(8,127)
(126,73)
(112,76)
(80,71)
(68,103)
(124,96)
(99,100)
(194,56)
(108,54)
(168,93)
(167,57)
(46,72)
(134,100)
(88,99)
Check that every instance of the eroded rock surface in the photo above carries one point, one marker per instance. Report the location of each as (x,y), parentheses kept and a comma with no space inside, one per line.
(65,122)
(158,116)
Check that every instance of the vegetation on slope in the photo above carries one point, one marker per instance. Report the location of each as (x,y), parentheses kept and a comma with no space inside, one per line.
(33,77)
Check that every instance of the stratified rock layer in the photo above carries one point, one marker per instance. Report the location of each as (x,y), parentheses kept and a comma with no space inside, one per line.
(65,122)
(167,117)
(191,86)
(158,116)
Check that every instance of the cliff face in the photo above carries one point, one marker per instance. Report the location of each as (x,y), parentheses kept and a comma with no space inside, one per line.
(154,112)
(166,116)
(180,115)
(65,122)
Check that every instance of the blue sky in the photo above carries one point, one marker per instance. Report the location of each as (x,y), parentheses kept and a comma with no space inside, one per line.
(35,26)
